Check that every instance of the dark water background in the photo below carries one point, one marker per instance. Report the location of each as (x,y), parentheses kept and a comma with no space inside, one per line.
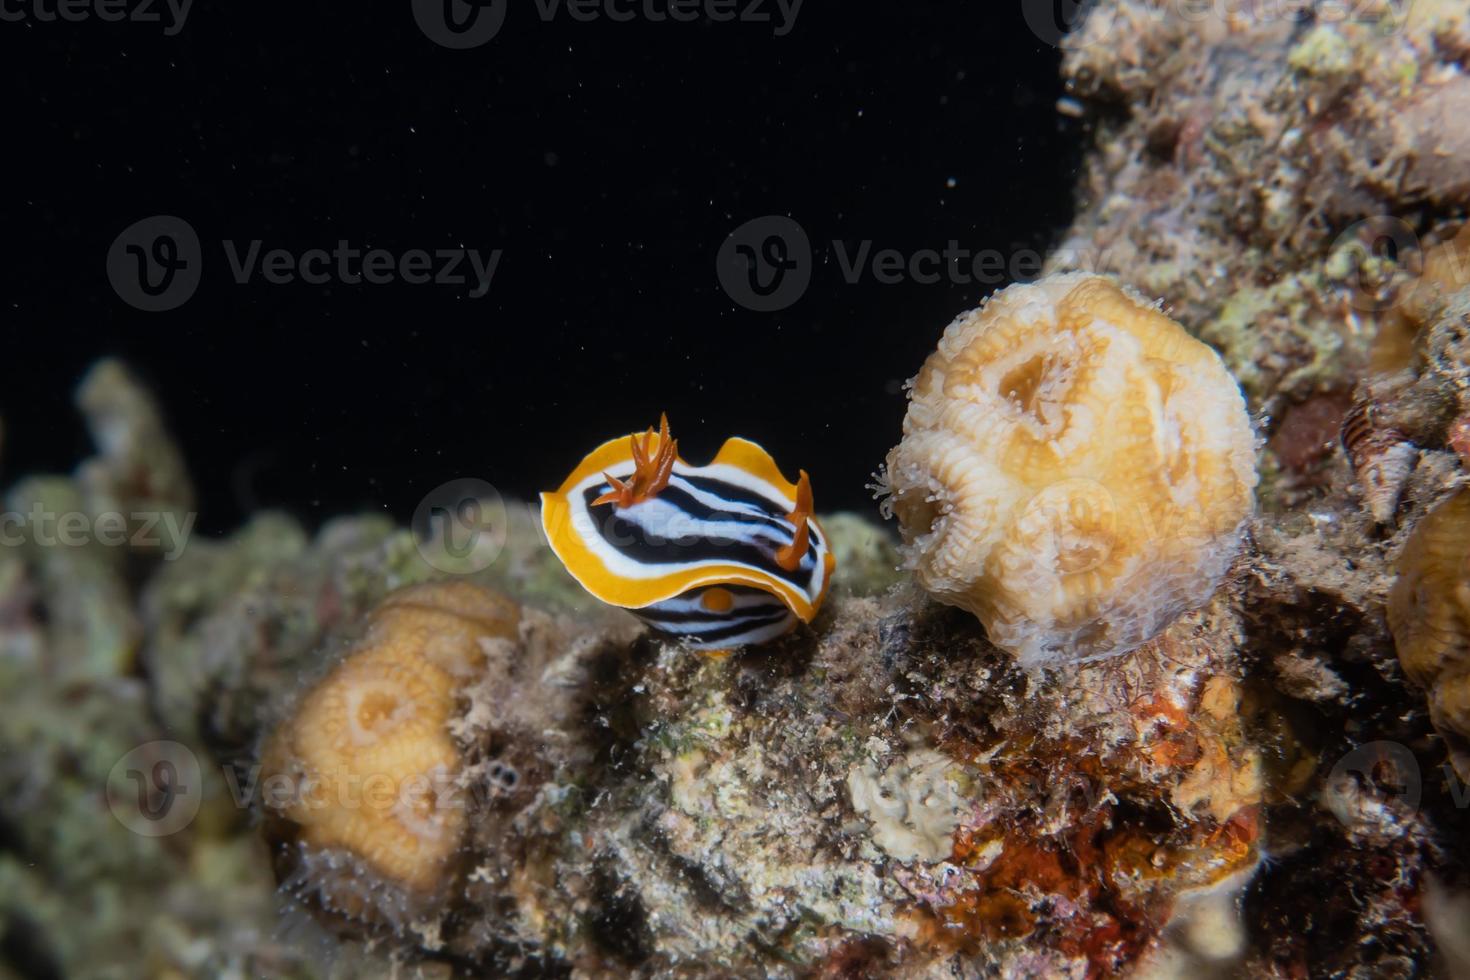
(609,161)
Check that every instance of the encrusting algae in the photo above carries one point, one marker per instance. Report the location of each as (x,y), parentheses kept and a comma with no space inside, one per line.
(361,778)
(1075,469)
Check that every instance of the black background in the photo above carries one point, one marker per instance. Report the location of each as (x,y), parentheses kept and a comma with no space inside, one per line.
(608,160)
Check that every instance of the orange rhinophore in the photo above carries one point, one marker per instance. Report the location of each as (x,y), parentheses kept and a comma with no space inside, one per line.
(651,473)
(790,556)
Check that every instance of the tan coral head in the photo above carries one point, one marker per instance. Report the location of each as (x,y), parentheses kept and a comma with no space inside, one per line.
(1075,469)
(1429,614)
(360,783)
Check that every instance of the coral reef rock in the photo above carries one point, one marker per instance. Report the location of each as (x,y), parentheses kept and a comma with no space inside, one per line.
(1262,789)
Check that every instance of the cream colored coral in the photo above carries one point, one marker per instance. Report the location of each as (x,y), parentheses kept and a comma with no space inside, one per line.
(1075,469)
(361,775)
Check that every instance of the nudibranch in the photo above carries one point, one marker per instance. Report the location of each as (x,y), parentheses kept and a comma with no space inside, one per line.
(722,555)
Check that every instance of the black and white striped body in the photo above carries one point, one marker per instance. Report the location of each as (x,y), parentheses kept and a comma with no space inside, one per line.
(752,616)
(701,520)
(722,555)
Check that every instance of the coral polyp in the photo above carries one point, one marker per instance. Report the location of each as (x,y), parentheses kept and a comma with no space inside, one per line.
(1429,614)
(1075,469)
(360,782)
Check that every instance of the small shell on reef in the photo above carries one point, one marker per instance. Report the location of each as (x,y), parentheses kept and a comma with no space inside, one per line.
(1075,469)
(1381,457)
(1429,611)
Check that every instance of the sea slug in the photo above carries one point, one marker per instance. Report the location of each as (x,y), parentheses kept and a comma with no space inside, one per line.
(721,555)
